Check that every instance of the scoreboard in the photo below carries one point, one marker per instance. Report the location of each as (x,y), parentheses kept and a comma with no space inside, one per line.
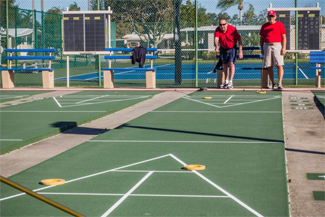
(85,31)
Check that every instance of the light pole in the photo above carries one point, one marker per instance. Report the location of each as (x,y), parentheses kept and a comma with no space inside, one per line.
(240,8)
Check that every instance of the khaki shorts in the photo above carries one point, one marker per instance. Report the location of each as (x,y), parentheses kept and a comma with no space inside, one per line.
(272,55)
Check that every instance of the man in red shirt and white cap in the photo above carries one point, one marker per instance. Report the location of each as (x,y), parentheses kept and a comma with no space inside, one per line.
(273,44)
(227,36)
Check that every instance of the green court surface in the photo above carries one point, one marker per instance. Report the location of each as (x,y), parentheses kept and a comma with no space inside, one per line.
(40,118)
(320,95)
(6,96)
(135,170)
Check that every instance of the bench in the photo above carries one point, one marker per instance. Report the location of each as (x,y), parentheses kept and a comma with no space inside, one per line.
(318,57)
(108,73)
(221,77)
(47,72)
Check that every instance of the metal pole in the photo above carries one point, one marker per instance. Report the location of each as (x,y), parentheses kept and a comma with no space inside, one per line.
(296,44)
(196,47)
(7,27)
(177,42)
(99,63)
(40,197)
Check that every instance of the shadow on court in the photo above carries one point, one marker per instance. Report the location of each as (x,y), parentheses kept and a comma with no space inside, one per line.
(72,128)
(201,133)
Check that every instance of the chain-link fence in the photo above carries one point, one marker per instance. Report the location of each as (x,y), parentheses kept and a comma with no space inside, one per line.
(185,47)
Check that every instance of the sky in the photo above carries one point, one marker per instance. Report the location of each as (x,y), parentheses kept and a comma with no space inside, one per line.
(210,5)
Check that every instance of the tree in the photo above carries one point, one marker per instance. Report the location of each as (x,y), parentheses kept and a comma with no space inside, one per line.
(249,16)
(188,14)
(12,8)
(52,27)
(150,19)
(74,7)
(225,4)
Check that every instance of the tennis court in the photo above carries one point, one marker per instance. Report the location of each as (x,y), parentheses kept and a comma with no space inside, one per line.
(167,72)
(135,169)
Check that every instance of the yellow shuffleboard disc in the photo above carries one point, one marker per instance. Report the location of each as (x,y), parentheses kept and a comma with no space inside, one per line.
(194,167)
(52,181)
(261,91)
(207,97)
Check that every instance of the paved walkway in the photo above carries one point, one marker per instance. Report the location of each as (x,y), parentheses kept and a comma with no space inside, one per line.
(304,135)
(305,153)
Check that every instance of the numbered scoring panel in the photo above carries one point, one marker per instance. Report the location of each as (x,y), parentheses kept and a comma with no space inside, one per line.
(84,32)
(308,30)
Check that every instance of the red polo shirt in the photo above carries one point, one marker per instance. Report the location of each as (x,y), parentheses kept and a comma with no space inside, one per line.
(229,38)
(272,32)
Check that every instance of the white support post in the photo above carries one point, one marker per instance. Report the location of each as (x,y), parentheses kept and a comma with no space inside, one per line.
(68,71)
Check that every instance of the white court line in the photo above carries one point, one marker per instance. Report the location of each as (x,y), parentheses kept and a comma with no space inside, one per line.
(165,141)
(146,171)
(236,104)
(87,100)
(302,72)
(117,100)
(49,111)
(57,102)
(229,99)
(262,112)
(134,195)
(219,188)
(11,140)
(126,195)
(88,176)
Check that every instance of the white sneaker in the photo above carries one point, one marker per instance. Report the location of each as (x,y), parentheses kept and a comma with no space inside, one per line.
(230,85)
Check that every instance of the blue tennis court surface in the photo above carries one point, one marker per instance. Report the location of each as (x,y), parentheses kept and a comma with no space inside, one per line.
(167,72)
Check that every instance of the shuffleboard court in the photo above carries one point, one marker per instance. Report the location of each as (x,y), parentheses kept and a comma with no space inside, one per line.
(37,119)
(6,96)
(135,170)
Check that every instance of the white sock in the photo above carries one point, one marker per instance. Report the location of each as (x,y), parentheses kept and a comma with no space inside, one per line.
(227,81)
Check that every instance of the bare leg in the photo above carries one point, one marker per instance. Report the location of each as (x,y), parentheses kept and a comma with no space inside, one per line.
(231,70)
(271,73)
(280,73)
(225,70)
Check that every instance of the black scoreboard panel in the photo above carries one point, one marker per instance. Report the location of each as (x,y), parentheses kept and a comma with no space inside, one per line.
(308,30)
(73,32)
(95,32)
(84,32)
(284,17)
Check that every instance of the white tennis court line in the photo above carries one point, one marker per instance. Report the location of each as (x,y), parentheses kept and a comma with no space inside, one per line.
(127,194)
(219,188)
(135,195)
(302,72)
(253,112)
(236,104)
(166,141)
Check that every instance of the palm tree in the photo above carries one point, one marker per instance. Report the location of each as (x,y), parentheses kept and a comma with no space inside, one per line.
(225,4)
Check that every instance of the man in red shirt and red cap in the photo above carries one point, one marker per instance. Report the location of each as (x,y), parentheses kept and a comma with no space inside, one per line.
(227,36)
(273,46)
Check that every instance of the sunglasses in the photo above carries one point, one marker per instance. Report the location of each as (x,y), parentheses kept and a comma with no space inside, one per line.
(271,16)
(222,24)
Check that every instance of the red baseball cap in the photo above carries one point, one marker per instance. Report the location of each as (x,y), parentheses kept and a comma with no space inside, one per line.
(272,13)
